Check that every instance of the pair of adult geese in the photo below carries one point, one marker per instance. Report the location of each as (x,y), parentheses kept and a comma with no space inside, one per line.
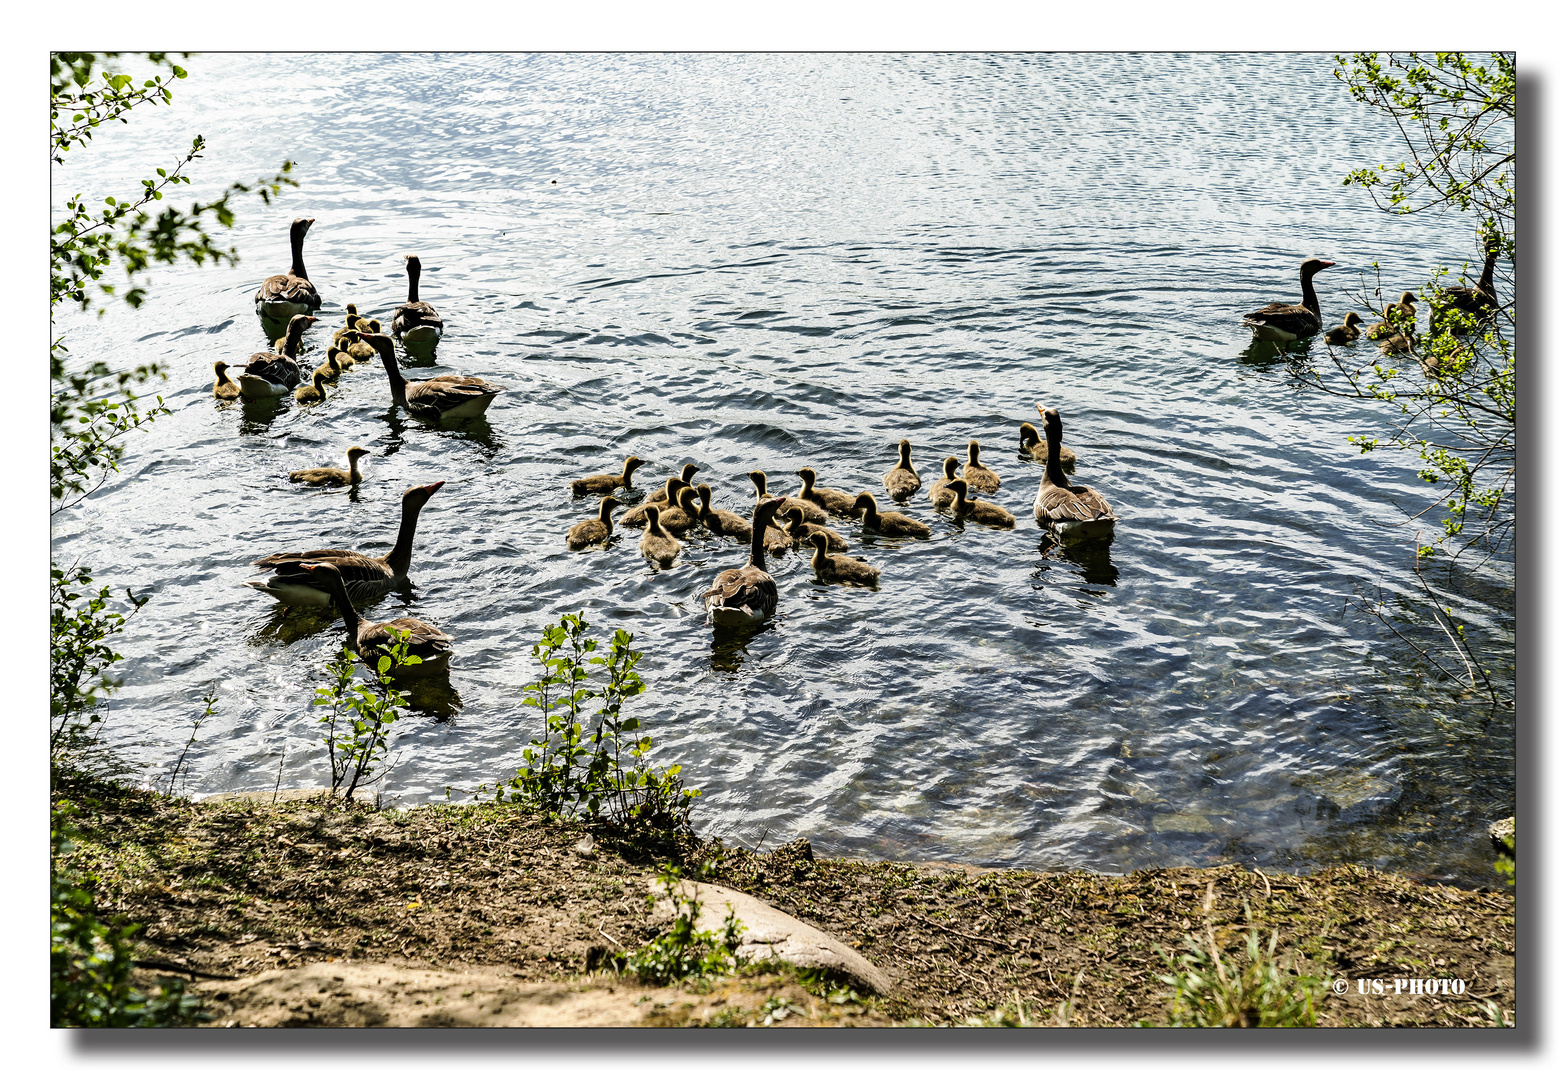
(748,594)
(1289,322)
(292,297)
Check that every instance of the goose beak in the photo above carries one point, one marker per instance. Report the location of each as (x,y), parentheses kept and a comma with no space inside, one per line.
(436,486)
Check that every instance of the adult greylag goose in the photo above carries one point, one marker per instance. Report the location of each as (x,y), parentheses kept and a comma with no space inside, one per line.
(604,483)
(800,531)
(812,512)
(985,513)
(593,530)
(1037,449)
(445,397)
(901,482)
(1474,300)
(657,544)
(415,321)
(637,515)
(315,391)
(223,388)
(941,492)
(1344,332)
(1286,322)
(282,296)
(721,522)
(1073,511)
(829,499)
(328,477)
(889,523)
(270,375)
(746,595)
(372,640)
(979,478)
(368,577)
(841,569)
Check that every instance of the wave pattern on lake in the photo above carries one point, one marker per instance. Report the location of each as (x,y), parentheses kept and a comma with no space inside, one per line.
(774,261)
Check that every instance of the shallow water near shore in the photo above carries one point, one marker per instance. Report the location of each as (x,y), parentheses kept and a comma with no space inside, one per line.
(778,261)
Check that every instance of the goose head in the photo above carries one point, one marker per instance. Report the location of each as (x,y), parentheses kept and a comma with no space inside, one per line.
(1030,437)
(357,452)
(415,497)
(762,516)
(865,501)
(1311,267)
(973,451)
(1052,427)
(301,225)
(1352,319)
(759,478)
(686,500)
(689,470)
(950,466)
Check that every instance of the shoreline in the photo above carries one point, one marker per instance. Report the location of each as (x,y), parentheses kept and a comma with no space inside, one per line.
(479,896)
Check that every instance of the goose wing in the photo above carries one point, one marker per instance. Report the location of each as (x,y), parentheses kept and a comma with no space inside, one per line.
(1076,503)
(744,589)
(289,289)
(418,313)
(1297,319)
(356,568)
(273,368)
(447,392)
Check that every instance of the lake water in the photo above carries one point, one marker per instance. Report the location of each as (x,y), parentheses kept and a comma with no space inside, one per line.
(774,261)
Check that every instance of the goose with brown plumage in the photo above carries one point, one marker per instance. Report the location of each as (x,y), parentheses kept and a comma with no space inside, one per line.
(283,296)
(372,640)
(1344,332)
(1036,448)
(902,481)
(985,513)
(748,594)
(328,477)
(605,483)
(271,375)
(889,523)
(367,577)
(810,510)
(445,397)
(799,531)
(416,322)
(831,500)
(594,530)
(1405,304)
(1473,300)
(1287,322)
(1073,511)
(658,544)
(223,388)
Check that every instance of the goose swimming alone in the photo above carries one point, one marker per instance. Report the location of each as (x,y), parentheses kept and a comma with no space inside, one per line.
(605,483)
(329,477)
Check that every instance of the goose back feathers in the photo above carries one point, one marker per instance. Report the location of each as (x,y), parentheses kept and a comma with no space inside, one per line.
(284,295)
(1286,322)
(748,594)
(1072,511)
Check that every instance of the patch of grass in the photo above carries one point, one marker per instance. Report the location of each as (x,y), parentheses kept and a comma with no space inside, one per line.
(1213,990)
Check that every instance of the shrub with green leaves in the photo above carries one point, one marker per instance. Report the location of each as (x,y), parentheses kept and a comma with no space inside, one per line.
(682,952)
(361,713)
(90,961)
(593,762)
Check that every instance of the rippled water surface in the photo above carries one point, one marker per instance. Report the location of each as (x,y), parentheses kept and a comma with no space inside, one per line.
(775,261)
